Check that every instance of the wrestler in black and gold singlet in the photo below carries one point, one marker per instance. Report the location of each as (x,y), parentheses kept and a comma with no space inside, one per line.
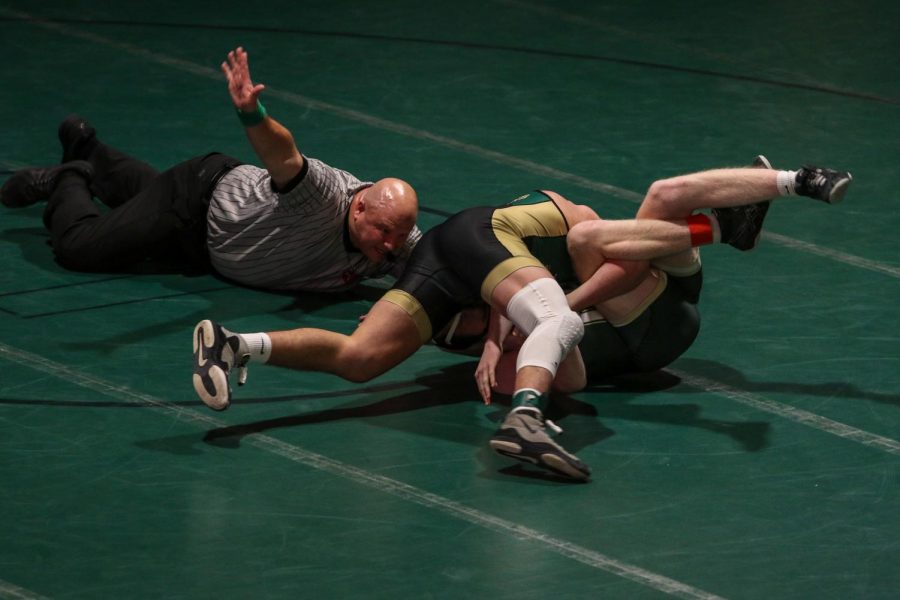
(459,262)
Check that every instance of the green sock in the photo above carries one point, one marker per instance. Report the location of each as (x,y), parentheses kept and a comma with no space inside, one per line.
(530,398)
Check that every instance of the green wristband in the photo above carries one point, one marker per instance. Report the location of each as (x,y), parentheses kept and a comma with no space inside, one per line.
(253,118)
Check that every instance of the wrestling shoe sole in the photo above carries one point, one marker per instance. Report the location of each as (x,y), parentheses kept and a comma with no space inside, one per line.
(542,458)
(839,190)
(210,379)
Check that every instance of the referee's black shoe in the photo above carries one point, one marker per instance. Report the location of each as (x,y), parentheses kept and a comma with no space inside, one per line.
(75,135)
(216,352)
(29,186)
(523,436)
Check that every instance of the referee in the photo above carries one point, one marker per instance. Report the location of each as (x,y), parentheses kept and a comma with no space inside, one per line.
(296,225)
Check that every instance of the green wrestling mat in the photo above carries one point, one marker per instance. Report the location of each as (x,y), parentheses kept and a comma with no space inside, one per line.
(763,464)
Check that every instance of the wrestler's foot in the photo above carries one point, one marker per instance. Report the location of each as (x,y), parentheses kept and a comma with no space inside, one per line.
(29,186)
(216,352)
(741,226)
(523,436)
(826,185)
(75,134)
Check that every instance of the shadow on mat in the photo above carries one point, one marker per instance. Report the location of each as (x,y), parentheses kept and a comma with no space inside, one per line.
(449,386)
(722,373)
(453,385)
(229,302)
(226,300)
(622,403)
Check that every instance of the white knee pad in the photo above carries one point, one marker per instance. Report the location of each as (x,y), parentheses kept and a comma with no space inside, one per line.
(541,311)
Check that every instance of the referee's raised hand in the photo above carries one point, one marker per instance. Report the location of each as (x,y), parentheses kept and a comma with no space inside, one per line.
(243,92)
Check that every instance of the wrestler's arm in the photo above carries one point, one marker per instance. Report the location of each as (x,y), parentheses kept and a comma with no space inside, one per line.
(608,280)
(499,328)
(601,279)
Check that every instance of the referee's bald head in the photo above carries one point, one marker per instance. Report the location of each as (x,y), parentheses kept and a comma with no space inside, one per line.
(396,195)
(382,216)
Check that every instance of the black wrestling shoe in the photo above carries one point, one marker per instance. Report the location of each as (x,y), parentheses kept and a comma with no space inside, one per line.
(29,186)
(523,436)
(75,134)
(741,226)
(216,353)
(826,185)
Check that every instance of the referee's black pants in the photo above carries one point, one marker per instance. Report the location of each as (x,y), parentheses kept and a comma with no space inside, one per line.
(152,215)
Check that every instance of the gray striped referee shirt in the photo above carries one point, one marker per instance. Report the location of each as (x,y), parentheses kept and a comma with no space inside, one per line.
(296,241)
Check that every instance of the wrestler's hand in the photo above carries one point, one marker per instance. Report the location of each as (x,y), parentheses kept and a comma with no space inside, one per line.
(486,373)
(237,71)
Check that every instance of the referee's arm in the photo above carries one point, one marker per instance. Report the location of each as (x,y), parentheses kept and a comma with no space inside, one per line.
(275,146)
(271,141)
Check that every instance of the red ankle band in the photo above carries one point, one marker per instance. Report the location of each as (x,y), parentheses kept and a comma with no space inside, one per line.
(701,230)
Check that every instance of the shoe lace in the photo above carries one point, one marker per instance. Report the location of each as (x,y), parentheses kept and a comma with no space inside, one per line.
(44,178)
(556,429)
(819,180)
(815,177)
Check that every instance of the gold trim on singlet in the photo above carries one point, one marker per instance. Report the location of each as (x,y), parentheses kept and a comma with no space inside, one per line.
(414,309)
(650,299)
(503,270)
(511,225)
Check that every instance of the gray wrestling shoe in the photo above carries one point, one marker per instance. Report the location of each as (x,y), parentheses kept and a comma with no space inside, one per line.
(30,186)
(741,226)
(216,352)
(523,436)
(826,185)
